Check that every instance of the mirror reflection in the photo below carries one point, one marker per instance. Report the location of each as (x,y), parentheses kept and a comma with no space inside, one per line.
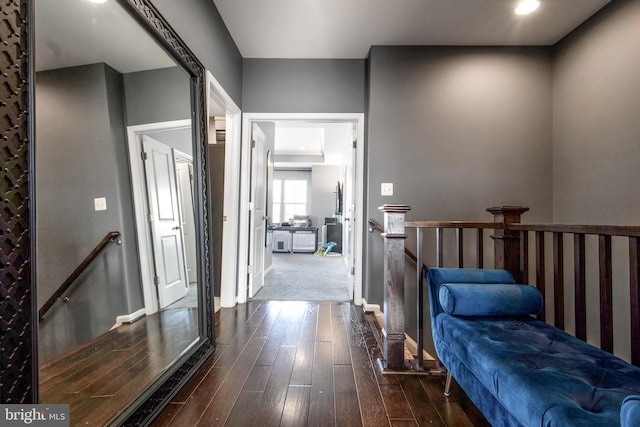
(117,277)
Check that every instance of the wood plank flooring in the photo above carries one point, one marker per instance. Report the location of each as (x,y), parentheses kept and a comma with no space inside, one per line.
(308,364)
(98,378)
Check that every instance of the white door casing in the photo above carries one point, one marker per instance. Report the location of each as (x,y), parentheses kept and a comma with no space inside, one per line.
(257,206)
(166,228)
(220,103)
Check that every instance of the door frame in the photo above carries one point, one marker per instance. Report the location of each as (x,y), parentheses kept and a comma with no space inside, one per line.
(244,173)
(218,99)
(140,207)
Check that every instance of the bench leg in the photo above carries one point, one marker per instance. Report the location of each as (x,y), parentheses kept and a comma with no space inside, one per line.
(447,384)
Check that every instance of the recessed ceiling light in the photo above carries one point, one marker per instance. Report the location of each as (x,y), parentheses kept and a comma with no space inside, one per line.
(527,6)
(98,1)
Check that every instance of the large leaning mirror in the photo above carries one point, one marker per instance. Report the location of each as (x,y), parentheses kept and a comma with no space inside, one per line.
(125,307)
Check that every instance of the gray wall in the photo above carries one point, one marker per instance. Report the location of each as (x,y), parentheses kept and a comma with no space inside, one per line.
(199,24)
(457,130)
(596,132)
(597,120)
(81,155)
(303,86)
(157,96)
(324,179)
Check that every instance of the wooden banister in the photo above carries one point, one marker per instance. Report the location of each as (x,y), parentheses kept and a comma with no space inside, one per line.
(110,237)
(511,251)
(394,245)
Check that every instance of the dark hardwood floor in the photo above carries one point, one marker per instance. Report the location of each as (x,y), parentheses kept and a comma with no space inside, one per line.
(99,378)
(308,364)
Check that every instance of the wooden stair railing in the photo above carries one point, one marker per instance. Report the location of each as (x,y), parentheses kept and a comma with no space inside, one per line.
(605,276)
(511,252)
(111,237)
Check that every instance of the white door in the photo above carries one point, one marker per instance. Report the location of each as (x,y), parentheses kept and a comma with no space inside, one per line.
(184,176)
(164,218)
(257,206)
(350,214)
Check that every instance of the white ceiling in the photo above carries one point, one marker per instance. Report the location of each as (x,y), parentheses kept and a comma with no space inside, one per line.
(307,143)
(78,32)
(347,28)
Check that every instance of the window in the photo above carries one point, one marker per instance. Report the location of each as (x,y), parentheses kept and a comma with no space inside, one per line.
(289,199)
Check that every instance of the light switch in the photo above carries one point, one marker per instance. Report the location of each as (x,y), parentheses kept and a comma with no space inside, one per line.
(100,203)
(386,189)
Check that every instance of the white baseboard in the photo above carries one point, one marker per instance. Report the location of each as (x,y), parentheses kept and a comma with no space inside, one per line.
(371,308)
(129,318)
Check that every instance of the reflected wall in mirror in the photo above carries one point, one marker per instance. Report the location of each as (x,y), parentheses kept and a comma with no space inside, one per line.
(122,280)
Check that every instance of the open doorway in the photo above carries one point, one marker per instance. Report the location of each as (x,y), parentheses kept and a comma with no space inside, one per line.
(314,203)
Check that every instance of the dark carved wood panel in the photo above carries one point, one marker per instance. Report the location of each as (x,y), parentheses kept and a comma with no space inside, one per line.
(17,367)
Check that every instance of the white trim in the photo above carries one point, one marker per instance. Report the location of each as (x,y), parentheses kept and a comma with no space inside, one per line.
(143,233)
(129,318)
(243,171)
(370,308)
(229,273)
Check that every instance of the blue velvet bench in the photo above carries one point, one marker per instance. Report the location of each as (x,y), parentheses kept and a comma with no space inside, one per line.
(520,371)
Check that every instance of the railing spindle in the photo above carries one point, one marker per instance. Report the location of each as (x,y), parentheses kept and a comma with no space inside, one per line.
(634,293)
(480,248)
(558,280)
(460,246)
(524,248)
(540,273)
(580,288)
(420,298)
(440,246)
(606,297)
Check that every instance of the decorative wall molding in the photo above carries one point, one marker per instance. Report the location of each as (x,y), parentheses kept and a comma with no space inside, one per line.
(18,367)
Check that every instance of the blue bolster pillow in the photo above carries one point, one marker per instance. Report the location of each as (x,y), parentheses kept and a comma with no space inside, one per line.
(630,413)
(473,299)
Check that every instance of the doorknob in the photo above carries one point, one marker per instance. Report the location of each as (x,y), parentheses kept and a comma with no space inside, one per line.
(177,227)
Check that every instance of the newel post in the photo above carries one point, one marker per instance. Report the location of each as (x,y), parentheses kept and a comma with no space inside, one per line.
(507,242)
(394,242)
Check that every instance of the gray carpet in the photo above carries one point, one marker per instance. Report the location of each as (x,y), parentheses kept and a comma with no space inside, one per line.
(305,277)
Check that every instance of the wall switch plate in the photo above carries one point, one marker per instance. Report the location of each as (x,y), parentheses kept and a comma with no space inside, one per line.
(386,189)
(100,204)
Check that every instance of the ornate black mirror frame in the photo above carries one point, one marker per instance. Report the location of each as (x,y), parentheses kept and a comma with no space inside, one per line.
(18,306)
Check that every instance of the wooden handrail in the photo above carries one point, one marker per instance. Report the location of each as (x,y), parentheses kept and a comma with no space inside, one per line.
(110,237)
(610,230)
(453,224)
(375,226)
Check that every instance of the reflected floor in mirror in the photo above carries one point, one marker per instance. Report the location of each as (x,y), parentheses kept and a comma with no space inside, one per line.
(99,378)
